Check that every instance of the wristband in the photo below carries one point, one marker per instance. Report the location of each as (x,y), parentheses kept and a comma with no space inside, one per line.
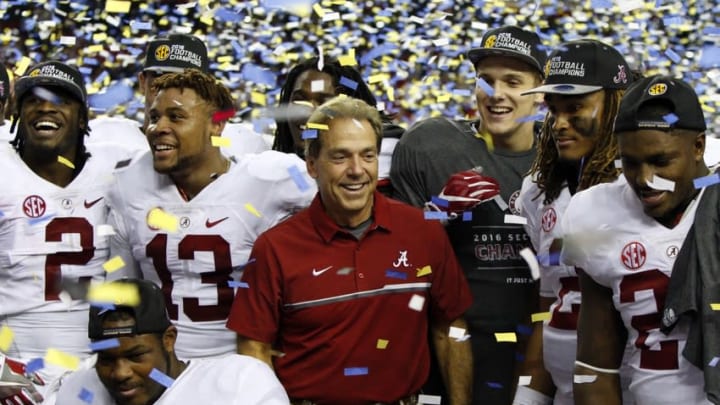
(598,369)
(528,396)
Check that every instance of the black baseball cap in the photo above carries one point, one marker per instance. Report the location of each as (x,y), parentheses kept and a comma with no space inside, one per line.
(513,42)
(4,83)
(582,67)
(176,52)
(150,314)
(52,74)
(675,93)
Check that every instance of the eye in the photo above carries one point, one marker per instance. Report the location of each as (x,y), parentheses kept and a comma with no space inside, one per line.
(370,156)
(153,118)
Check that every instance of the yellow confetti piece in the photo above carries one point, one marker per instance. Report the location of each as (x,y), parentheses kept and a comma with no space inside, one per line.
(22,66)
(319,10)
(715,307)
(114,293)
(444,98)
(423,271)
(6,338)
(66,162)
(540,316)
(488,140)
(117,6)
(315,125)
(382,344)
(252,210)
(207,20)
(99,37)
(219,141)
(349,59)
(258,98)
(157,218)
(506,337)
(116,263)
(61,359)
(378,78)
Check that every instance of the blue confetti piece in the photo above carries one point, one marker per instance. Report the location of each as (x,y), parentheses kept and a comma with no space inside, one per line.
(86,396)
(671,118)
(601,4)
(707,181)
(528,118)
(395,274)
(2,214)
(34,365)
(714,361)
(672,20)
(242,266)
(495,385)
(309,134)
(440,202)
(462,92)
(711,31)
(258,75)
(298,178)
(349,83)
(672,55)
(484,86)
(524,330)
(141,25)
(519,357)
(104,344)
(161,378)
(467,216)
(353,371)
(46,94)
(709,57)
(436,215)
(114,95)
(237,284)
(227,15)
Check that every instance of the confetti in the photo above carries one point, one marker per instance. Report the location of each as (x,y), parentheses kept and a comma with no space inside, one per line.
(104,344)
(440,202)
(395,274)
(252,210)
(349,59)
(467,216)
(500,202)
(157,218)
(349,83)
(113,264)
(35,365)
(237,284)
(456,333)
(86,396)
(161,378)
(344,271)
(317,86)
(515,219)
(355,371)
(584,379)
(67,40)
(659,183)
(524,330)
(423,271)
(416,302)
(672,56)
(435,215)
(315,125)
(506,337)
(524,380)
(618,164)
(117,6)
(540,316)
(298,178)
(114,293)
(382,344)
(429,399)
(309,134)
(671,118)
(61,359)
(6,338)
(715,306)
(481,84)
(714,361)
(706,181)
(220,141)
(495,385)
(530,118)
(66,162)
(532,262)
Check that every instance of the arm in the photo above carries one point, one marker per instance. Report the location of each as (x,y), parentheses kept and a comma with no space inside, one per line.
(455,361)
(260,350)
(534,364)
(407,179)
(601,343)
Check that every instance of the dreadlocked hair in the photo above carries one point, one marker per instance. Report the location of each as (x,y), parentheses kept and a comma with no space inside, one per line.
(283,137)
(599,167)
(81,155)
(204,85)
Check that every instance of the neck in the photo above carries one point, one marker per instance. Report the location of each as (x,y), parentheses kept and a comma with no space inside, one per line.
(519,141)
(50,168)
(190,182)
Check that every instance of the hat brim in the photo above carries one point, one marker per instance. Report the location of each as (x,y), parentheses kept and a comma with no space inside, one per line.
(164,69)
(566,89)
(478,54)
(25,84)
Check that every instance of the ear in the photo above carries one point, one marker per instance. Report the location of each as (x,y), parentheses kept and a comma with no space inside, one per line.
(169,337)
(141,80)
(699,147)
(217,127)
(311,164)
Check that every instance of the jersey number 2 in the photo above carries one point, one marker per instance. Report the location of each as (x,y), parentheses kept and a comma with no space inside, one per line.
(157,251)
(54,231)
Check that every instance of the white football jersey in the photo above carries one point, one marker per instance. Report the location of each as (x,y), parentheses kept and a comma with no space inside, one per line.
(50,234)
(243,140)
(5,135)
(544,225)
(230,380)
(119,131)
(198,266)
(609,236)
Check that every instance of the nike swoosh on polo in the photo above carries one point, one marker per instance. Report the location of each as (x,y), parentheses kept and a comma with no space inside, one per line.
(91,203)
(319,272)
(210,224)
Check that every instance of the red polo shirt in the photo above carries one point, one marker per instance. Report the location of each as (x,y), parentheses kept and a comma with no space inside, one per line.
(330,302)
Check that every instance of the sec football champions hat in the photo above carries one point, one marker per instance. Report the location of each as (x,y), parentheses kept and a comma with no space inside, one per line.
(175,53)
(675,93)
(150,314)
(52,74)
(584,66)
(513,42)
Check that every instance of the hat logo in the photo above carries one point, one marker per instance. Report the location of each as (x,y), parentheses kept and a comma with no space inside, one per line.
(489,42)
(35,73)
(162,52)
(621,76)
(657,89)
(547,69)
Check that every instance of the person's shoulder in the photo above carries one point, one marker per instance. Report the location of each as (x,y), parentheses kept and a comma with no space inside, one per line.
(429,127)
(85,380)
(271,165)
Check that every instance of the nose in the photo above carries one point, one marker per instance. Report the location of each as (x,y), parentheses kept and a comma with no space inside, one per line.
(559,122)
(46,104)
(159,126)
(355,166)
(121,370)
(644,175)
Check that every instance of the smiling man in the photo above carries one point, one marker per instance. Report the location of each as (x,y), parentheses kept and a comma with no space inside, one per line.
(349,288)
(137,363)
(219,206)
(52,205)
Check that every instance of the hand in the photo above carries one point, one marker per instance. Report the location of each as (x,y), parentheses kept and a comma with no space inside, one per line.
(16,386)
(465,190)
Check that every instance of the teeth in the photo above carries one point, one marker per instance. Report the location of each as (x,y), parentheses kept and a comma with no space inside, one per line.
(499,110)
(163,147)
(46,125)
(354,186)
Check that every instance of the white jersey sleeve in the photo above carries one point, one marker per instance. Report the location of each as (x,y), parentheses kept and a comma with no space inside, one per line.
(118,131)
(199,265)
(633,255)
(243,140)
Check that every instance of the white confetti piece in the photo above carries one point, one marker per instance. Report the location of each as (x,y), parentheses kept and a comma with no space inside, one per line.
(515,219)
(529,257)
(429,399)
(584,379)
(524,380)
(661,184)
(416,302)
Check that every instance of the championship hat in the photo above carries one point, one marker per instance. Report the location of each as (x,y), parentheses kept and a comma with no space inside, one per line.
(150,314)
(176,52)
(513,42)
(584,66)
(52,74)
(674,93)
(4,83)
